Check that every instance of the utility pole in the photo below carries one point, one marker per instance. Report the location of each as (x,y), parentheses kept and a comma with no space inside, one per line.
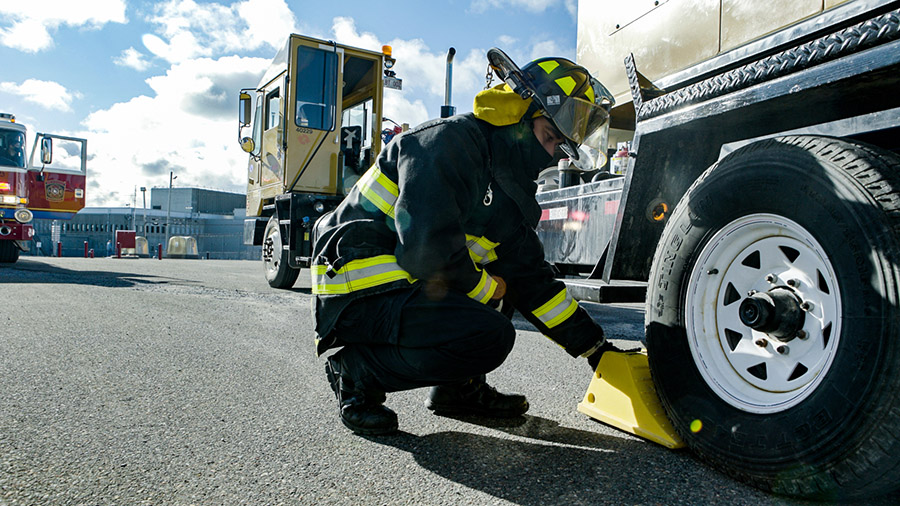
(172,177)
(144,194)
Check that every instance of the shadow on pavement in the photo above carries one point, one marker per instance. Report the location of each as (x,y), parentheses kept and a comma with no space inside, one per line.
(25,271)
(579,467)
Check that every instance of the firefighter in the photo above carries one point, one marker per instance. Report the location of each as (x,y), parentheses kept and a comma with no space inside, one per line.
(13,155)
(409,271)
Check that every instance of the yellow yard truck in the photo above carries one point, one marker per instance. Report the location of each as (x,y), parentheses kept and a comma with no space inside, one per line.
(756,200)
(315,125)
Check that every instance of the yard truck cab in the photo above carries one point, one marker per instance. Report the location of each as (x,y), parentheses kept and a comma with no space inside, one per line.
(315,126)
(757,203)
(48,187)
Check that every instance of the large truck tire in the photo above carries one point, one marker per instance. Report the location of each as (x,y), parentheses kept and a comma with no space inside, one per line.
(275,258)
(9,252)
(773,317)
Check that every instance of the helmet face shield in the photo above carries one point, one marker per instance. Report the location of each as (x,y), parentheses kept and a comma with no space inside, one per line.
(580,121)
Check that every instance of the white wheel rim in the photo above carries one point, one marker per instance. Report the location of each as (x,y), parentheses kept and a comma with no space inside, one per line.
(748,369)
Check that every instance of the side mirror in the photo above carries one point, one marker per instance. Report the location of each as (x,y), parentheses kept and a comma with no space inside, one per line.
(46,150)
(245,112)
(247,144)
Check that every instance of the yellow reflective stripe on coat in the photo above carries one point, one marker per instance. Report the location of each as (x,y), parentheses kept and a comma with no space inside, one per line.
(379,190)
(556,310)
(485,288)
(481,250)
(357,274)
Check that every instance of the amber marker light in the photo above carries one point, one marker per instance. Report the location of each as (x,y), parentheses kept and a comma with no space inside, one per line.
(659,212)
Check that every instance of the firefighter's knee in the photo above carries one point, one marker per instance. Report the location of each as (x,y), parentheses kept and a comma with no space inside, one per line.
(500,344)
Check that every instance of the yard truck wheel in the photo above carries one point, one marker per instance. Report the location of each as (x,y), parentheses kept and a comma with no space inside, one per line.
(279,273)
(773,323)
(9,252)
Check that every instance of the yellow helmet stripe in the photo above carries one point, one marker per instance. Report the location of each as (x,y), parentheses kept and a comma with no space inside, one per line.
(590,94)
(567,84)
(548,66)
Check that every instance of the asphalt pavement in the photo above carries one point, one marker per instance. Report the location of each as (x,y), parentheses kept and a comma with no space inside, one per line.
(157,382)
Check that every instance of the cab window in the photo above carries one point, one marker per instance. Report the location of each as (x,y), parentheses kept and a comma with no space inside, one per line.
(360,115)
(12,149)
(273,110)
(316,91)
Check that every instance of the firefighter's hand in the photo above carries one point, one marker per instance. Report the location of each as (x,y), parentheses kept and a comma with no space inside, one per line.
(501,288)
(594,358)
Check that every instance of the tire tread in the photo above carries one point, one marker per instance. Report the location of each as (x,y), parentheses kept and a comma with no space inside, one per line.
(872,467)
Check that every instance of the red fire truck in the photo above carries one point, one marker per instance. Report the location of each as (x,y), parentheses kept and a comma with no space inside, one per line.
(42,188)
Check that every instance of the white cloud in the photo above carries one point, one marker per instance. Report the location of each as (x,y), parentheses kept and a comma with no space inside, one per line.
(132,58)
(27,25)
(549,48)
(506,41)
(190,30)
(48,94)
(134,143)
(479,6)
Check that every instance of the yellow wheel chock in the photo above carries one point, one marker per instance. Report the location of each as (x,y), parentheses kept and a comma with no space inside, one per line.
(621,394)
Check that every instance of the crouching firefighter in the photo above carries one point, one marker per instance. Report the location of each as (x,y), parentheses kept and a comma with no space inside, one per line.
(410,269)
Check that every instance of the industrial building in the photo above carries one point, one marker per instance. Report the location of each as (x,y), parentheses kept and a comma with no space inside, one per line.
(214,218)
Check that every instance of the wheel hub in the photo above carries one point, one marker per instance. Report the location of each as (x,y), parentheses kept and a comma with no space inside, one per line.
(268,248)
(776,313)
(762,313)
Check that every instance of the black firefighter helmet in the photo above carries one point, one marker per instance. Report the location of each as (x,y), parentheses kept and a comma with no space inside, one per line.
(577,104)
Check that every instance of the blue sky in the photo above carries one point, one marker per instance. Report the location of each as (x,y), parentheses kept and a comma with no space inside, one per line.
(153,85)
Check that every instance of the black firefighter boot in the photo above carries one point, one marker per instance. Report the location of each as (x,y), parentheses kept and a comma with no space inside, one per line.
(361,411)
(475,396)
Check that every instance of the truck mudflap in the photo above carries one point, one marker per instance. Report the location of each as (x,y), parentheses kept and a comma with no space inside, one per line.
(254,229)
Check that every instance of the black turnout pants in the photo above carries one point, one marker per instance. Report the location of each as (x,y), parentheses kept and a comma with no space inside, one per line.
(406,339)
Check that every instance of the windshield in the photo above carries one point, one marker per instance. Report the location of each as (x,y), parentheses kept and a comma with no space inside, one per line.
(12,149)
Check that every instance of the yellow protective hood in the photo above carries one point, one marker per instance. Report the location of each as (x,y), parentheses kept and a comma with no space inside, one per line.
(500,106)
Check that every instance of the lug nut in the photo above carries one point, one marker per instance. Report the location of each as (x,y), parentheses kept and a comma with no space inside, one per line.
(751,293)
(771,278)
(762,343)
(793,283)
(806,306)
(782,349)
(801,334)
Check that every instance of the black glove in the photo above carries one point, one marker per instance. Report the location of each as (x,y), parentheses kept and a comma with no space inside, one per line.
(594,358)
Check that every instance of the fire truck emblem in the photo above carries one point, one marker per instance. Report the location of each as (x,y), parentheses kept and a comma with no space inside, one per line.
(55,191)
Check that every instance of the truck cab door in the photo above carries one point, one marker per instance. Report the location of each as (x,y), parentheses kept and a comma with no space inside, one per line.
(271,151)
(57,173)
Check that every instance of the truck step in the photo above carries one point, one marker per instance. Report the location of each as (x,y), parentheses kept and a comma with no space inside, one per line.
(616,290)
